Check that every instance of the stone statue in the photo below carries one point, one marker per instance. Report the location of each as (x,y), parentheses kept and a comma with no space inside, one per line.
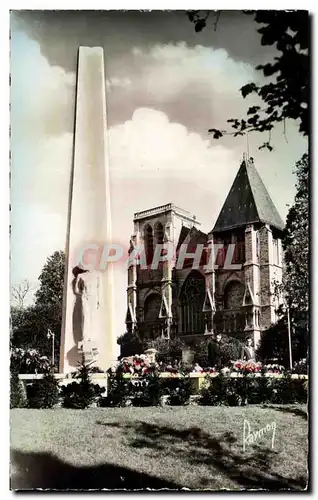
(248,351)
(86,287)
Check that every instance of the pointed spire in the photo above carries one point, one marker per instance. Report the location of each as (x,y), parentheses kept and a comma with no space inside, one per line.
(248,298)
(248,201)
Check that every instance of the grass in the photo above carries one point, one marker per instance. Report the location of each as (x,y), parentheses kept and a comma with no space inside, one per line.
(171,447)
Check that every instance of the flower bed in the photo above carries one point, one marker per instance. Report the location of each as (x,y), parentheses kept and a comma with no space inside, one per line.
(138,381)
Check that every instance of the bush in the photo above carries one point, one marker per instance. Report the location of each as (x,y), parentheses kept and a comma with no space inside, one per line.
(149,391)
(28,361)
(169,351)
(230,350)
(301,367)
(119,391)
(83,393)
(43,393)
(249,389)
(214,393)
(130,344)
(201,355)
(288,390)
(179,393)
(18,397)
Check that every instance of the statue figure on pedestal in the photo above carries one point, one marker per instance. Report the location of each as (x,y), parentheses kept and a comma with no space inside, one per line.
(86,286)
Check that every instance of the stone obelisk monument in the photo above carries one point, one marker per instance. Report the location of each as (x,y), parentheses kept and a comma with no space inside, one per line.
(87,322)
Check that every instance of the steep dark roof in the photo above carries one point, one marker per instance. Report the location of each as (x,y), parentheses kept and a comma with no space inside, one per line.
(248,201)
(183,234)
(191,236)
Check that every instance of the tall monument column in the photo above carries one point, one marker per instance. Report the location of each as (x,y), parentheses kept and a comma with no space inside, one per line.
(87,322)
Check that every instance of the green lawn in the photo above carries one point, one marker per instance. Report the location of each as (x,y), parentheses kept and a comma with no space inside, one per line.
(182,447)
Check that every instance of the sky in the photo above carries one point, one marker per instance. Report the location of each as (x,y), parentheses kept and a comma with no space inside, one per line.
(166,86)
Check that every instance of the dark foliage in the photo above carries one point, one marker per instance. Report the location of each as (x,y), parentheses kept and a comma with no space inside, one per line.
(215,390)
(180,390)
(169,351)
(43,393)
(130,344)
(201,353)
(222,390)
(288,390)
(149,390)
(295,285)
(83,393)
(52,280)
(29,325)
(28,361)
(230,350)
(286,94)
(18,397)
(274,344)
(119,391)
(296,247)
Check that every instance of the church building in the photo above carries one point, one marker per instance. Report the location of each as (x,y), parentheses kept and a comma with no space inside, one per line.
(226,281)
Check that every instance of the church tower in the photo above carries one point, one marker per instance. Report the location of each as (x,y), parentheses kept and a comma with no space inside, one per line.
(250,262)
(152,288)
(222,282)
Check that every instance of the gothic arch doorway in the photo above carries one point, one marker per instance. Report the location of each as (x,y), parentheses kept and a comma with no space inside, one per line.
(191,302)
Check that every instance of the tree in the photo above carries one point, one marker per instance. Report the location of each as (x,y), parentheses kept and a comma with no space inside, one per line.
(273,346)
(296,248)
(286,95)
(52,280)
(49,301)
(19,293)
(29,326)
(295,283)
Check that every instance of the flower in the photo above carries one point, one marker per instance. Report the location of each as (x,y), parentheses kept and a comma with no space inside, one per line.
(225,370)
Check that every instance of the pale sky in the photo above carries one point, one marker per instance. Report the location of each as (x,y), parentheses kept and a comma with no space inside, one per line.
(166,85)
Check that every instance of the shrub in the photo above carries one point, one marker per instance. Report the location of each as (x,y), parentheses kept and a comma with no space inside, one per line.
(119,390)
(214,393)
(260,390)
(43,393)
(28,361)
(130,344)
(149,391)
(18,397)
(179,393)
(169,351)
(301,367)
(230,350)
(83,393)
(253,390)
(201,355)
(288,390)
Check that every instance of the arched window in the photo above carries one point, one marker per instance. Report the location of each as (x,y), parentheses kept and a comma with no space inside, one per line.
(191,301)
(159,233)
(152,324)
(148,241)
(233,295)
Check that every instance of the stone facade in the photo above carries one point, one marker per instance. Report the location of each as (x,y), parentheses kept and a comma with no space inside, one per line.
(232,296)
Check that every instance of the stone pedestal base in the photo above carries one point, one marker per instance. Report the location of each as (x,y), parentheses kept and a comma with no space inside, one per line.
(88,350)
